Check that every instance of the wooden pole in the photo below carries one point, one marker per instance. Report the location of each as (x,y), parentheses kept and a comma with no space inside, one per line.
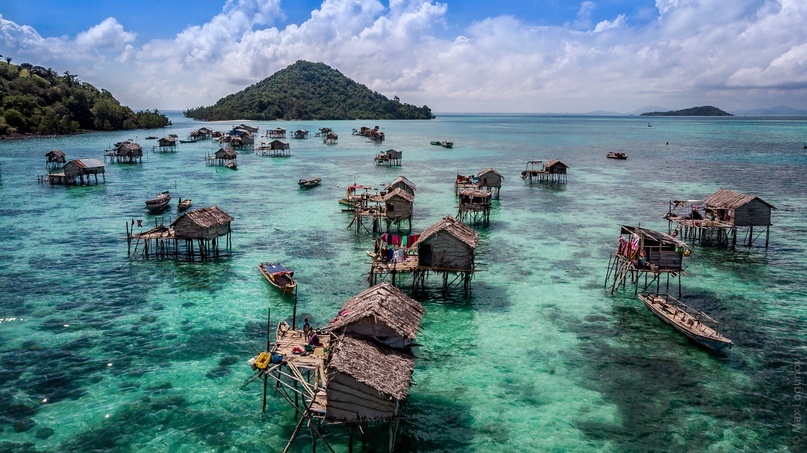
(268,349)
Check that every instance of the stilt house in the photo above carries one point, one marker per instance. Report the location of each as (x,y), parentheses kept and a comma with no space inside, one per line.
(389,157)
(367,381)
(331,138)
(202,224)
(167,144)
(398,205)
(404,184)
(448,245)
(490,179)
(225,155)
(739,209)
(55,159)
(383,313)
(75,171)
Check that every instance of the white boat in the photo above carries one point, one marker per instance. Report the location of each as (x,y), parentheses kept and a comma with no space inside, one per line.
(695,325)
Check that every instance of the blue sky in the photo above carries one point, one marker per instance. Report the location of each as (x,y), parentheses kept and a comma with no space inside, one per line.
(454,55)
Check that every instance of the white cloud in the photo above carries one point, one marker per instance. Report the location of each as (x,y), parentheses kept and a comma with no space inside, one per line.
(109,34)
(696,52)
(619,22)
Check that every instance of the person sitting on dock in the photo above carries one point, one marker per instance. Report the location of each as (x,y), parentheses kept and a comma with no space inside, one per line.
(314,340)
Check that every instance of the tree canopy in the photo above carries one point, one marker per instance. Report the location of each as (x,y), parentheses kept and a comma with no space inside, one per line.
(38,100)
(308,91)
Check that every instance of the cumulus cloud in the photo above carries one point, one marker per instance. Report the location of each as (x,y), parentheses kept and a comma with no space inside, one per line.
(109,34)
(695,52)
(619,22)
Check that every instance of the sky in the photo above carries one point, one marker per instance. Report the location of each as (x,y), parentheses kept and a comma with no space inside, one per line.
(474,56)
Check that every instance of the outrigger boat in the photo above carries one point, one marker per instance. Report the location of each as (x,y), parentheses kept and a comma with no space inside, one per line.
(616,155)
(159,203)
(280,277)
(695,325)
(310,182)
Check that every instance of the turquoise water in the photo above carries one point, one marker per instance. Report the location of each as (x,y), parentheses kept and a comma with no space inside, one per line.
(102,351)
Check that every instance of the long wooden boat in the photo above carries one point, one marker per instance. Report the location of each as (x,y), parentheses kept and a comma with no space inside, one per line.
(616,155)
(310,182)
(184,204)
(695,325)
(280,277)
(159,203)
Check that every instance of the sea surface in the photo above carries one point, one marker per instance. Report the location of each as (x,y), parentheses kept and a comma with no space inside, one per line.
(102,351)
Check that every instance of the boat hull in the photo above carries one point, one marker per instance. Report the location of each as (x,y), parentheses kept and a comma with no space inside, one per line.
(677,319)
(159,203)
(280,278)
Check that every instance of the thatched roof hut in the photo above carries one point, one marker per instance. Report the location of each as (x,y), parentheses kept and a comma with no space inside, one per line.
(739,209)
(167,141)
(448,244)
(398,204)
(226,154)
(652,249)
(402,183)
(300,134)
(490,178)
(206,223)
(55,156)
(131,149)
(277,144)
(277,132)
(555,167)
(79,167)
(366,380)
(247,127)
(382,312)
(475,197)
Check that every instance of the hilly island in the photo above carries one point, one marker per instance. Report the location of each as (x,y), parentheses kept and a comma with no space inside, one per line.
(38,101)
(308,91)
(706,110)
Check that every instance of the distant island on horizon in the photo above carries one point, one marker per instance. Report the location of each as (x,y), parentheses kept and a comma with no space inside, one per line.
(706,110)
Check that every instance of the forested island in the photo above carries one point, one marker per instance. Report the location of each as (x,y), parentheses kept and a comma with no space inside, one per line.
(308,91)
(706,110)
(37,100)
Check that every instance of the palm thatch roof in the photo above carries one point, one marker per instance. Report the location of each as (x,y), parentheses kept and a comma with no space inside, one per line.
(402,179)
(56,156)
(398,192)
(554,162)
(206,217)
(489,170)
(385,304)
(661,238)
(453,227)
(727,199)
(383,368)
(226,153)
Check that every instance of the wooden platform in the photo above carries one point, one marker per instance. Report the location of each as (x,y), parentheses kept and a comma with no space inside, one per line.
(285,344)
